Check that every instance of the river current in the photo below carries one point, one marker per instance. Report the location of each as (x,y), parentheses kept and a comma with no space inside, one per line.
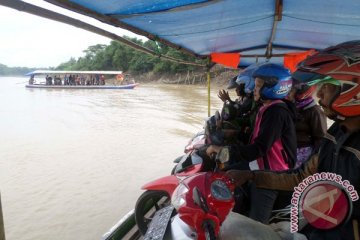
(72,162)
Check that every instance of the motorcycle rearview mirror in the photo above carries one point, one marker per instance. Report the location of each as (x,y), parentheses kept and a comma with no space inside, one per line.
(223,155)
(200,200)
(178,159)
(218,119)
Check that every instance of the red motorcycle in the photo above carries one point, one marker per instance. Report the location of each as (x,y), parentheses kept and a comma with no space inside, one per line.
(158,192)
(195,160)
(199,206)
(202,202)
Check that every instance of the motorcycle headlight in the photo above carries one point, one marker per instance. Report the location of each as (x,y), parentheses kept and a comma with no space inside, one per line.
(224,155)
(177,198)
(220,191)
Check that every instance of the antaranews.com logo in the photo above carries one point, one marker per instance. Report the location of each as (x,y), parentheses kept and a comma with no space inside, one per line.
(324,200)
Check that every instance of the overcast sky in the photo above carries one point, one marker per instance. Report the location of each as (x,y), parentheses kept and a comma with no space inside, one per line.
(27,40)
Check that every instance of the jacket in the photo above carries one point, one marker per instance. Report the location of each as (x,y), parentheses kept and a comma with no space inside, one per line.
(339,153)
(310,125)
(273,143)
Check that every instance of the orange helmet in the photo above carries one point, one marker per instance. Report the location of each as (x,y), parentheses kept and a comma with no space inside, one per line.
(339,65)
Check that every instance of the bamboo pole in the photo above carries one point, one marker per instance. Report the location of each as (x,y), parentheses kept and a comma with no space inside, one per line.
(208,88)
(2,228)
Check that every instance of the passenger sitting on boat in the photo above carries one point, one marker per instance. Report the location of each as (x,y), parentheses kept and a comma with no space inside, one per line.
(97,79)
(90,80)
(102,80)
(336,71)
(246,107)
(48,80)
(72,80)
(235,124)
(31,80)
(57,80)
(273,142)
(224,95)
(66,80)
(77,80)
(82,79)
(120,79)
(310,121)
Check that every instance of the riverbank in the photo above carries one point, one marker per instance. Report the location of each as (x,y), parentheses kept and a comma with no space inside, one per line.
(219,76)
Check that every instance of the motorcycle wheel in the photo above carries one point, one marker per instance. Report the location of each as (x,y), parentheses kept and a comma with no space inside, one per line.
(209,232)
(147,205)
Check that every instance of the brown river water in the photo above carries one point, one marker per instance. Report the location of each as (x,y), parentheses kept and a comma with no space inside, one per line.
(72,162)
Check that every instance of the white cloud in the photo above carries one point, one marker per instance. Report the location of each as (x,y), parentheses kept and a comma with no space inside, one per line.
(31,41)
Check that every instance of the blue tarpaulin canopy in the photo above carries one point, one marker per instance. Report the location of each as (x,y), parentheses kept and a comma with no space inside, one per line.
(256,28)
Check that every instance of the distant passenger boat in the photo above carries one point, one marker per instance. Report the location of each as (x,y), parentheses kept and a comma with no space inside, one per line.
(78,80)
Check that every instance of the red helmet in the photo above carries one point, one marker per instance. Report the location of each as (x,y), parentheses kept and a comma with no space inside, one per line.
(340,65)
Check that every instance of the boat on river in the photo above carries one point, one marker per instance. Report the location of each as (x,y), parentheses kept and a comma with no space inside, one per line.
(50,79)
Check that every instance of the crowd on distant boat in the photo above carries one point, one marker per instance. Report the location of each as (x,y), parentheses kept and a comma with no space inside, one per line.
(72,80)
(76,80)
(80,79)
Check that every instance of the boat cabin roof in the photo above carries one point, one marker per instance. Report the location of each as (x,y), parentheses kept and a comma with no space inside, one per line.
(257,29)
(44,72)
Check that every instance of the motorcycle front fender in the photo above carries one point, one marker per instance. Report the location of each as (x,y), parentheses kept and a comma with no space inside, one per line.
(167,184)
(180,230)
(236,227)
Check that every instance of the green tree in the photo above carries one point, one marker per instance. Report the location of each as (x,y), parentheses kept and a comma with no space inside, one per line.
(69,65)
(118,56)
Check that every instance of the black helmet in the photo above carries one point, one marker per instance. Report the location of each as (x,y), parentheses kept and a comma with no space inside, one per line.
(232,83)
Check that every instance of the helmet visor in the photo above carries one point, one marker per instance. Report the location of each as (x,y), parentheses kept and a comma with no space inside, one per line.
(243,79)
(305,77)
(326,79)
(310,79)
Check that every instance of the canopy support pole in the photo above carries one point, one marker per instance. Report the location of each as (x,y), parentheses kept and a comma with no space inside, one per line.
(208,89)
(277,18)
(209,66)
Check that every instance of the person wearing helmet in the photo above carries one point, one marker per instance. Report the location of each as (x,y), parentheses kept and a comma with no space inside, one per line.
(273,142)
(246,78)
(336,72)
(240,105)
(310,121)
(243,109)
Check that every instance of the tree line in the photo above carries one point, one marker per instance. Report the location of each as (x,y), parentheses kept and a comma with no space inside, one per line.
(14,71)
(119,57)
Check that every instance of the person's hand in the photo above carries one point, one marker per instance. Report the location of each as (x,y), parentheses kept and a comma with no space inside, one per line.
(228,133)
(240,176)
(213,149)
(224,95)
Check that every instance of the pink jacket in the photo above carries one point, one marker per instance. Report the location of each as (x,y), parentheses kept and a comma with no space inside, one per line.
(275,153)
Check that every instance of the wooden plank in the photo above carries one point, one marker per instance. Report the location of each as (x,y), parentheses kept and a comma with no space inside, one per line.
(2,228)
